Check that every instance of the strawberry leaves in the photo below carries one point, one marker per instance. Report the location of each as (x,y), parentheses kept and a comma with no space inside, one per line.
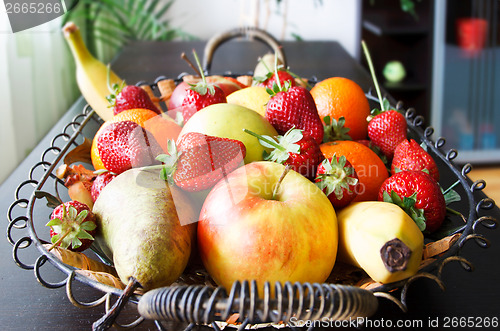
(169,162)
(337,177)
(285,144)
(408,205)
(71,228)
(335,129)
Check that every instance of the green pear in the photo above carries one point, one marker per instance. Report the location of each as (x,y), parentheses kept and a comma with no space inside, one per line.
(146,226)
(228,121)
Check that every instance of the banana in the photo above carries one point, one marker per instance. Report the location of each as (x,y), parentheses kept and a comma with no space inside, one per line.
(380,238)
(91,74)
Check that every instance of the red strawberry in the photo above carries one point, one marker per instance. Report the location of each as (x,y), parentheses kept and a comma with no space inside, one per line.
(131,97)
(123,145)
(202,160)
(386,130)
(295,148)
(72,226)
(409,155)
(419,195)
(100,182)
(294,107)
(338,179)
(200,96)
(270,79)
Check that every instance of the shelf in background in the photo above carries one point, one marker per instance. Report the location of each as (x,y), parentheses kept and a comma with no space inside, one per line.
(379,26)
(404,86)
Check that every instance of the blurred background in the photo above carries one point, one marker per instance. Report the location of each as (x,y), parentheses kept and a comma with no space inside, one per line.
(438,56)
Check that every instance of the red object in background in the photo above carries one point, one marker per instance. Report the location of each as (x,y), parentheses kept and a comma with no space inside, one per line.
(471,34)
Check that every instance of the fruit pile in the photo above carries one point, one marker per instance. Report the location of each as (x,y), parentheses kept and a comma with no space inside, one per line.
(258,178)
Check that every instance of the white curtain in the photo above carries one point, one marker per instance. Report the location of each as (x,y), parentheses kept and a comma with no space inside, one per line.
(37,85)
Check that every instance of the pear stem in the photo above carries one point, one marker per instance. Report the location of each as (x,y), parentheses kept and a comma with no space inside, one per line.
(276,188)
(264,139)
(185,58)
(372,71)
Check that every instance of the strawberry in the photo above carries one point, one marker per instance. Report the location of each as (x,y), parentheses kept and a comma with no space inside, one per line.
(200,95)
(100,182)
(201,161)
(419,195)
(295,148)
(72,226)
(130,97)
(338,179)
(409,155)
(270,79)
(123,145)
(386,130)
(291,107)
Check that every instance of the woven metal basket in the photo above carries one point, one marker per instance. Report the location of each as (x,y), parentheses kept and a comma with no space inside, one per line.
(194,300)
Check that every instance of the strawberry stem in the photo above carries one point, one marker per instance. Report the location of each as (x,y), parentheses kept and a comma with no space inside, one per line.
(199,66)
(61,238)
(276,71)
(108,74)
(372,71)
(276,188)
(264,139)
(451,187)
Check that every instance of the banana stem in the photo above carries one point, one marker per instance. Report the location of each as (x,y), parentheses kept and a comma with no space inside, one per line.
(372,71)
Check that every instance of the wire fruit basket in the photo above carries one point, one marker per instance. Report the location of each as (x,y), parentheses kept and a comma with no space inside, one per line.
(194,299)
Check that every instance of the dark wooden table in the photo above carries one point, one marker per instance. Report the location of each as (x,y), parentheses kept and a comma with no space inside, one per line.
(27,305)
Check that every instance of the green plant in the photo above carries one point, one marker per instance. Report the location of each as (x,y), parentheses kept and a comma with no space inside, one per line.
(117,22)
(408,6)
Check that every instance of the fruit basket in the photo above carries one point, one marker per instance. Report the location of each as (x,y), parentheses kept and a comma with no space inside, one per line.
(194,300)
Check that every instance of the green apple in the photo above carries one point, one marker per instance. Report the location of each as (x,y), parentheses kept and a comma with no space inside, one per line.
(228,121)
(248,230)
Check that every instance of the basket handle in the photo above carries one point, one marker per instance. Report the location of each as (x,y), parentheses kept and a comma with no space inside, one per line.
(249,33)
(305,301)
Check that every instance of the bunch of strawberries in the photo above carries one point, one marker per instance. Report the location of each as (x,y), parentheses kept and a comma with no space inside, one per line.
(197,162)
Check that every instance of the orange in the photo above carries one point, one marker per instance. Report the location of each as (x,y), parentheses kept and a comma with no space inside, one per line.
(369,167)
(160,126)
(341,97)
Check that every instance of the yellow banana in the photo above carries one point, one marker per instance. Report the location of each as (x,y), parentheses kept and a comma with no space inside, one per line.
(91,74)
(380,238)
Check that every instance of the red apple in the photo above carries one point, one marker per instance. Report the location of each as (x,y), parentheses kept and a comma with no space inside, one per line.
(244,233)
(178,95)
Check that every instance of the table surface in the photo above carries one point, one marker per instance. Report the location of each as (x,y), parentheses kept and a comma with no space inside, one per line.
(25,304)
